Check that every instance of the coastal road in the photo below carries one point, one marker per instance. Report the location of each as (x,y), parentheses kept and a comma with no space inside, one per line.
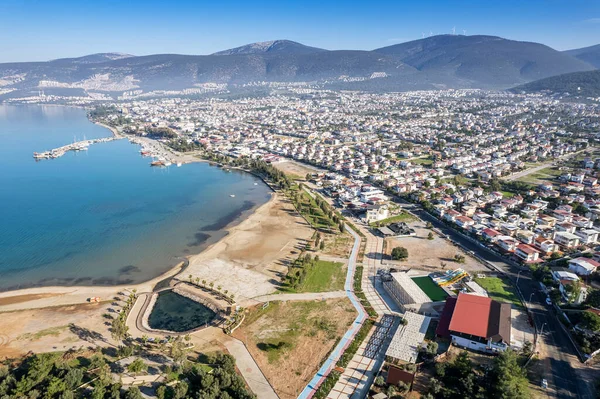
(563,379)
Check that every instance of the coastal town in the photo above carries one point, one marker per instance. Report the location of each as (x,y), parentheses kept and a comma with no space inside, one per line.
(413,240)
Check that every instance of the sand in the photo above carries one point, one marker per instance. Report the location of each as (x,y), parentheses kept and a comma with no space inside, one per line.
(253,259)
(250,261)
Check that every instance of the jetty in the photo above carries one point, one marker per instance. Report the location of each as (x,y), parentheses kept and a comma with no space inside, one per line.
(75,146)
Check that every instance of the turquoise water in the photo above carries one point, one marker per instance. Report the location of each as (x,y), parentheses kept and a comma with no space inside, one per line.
(173,312)
(103,216)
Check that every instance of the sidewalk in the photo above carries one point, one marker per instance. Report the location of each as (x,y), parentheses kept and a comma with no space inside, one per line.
(249,369)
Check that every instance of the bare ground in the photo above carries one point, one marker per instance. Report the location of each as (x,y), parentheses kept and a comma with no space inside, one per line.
(253,259)
(289,368)
(429,254)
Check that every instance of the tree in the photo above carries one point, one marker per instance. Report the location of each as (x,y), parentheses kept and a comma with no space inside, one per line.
(133,393)
(322,245)
(590,321)
(430,236)
(508,378)
(458,258)
(379,381)
(399,253)
(137,366)
(593,298)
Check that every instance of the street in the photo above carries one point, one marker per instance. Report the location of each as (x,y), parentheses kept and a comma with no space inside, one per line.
(563,380)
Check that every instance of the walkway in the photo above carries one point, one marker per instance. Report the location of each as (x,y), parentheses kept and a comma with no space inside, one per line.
(306,296)
(250,370)
(334,356)
(358,377)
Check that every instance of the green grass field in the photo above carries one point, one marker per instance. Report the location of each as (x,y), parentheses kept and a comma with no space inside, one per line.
(422,161)
(403,217)
(324,276)
(546,174)
(429,287)
(499,289)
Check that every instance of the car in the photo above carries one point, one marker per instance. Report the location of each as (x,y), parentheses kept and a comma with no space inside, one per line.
(544,383)
(548,301)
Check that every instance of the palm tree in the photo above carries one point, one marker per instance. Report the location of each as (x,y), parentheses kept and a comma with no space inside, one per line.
(211,285)
(190,277)
(225,292)
(204,282)
(197,280)
(218,288)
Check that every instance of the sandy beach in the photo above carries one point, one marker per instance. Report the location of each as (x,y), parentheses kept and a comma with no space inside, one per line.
(249,261)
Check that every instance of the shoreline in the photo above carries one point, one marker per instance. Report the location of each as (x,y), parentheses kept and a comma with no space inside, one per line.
(77,294)
(48,295)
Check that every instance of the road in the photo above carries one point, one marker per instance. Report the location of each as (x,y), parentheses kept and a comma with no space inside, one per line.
(526,172)
(563,380)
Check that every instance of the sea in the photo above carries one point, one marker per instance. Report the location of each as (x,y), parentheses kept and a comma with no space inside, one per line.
(103,216)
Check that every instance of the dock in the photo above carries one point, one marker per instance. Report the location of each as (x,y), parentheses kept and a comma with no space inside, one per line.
(76,146)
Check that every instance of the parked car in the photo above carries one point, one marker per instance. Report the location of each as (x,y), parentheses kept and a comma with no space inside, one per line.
(548,301)
(544,383)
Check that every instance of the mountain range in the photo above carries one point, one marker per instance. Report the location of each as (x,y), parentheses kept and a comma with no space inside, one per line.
(444,61)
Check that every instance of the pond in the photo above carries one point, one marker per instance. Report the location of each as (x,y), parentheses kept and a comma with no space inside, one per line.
(173,312)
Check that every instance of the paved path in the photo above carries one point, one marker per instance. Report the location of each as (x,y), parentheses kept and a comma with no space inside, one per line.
(345,341)
(250,370)
(358,377)
(307,296)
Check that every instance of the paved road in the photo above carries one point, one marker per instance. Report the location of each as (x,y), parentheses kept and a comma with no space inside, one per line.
(562,378)
(529,171)
(308,296)
(250,370)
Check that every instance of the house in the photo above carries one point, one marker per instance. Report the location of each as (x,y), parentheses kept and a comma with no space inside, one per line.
(545,245)
(476,322)
(490,235)
(566,281)
(375,213)
(587,236)
(566,240)
(527,253)
(583,266)
(464,222)
(508,244)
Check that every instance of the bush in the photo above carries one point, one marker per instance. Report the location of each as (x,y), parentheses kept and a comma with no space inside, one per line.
(399,253)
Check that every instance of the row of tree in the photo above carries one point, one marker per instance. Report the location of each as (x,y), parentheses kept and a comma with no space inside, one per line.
(460,379)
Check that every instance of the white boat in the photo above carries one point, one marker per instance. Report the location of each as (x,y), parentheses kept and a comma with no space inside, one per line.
(256,184)
(179,164)
(232,195)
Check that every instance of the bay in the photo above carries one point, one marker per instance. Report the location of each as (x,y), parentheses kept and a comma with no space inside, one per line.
(103,216)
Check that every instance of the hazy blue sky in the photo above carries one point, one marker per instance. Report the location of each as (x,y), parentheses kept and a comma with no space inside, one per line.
(47,29)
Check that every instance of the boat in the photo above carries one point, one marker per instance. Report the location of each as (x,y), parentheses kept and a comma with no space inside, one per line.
(168,163)
(157,163)
(232,195)
(145,153)
(179,164)
(256,184)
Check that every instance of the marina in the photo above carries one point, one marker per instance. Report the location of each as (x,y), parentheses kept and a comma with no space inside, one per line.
(75,146)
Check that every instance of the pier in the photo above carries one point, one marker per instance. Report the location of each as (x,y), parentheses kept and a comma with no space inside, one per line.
(76,146)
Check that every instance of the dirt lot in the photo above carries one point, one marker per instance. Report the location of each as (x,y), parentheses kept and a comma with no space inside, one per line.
(428,254)
(252,260)
(289,340)
(295,169)
(48,329)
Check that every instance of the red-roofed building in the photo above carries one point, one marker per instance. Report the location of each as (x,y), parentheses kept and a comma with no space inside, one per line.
(527,253)
(477,323)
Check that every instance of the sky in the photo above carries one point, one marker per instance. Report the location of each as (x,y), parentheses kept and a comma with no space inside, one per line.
(39,30)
